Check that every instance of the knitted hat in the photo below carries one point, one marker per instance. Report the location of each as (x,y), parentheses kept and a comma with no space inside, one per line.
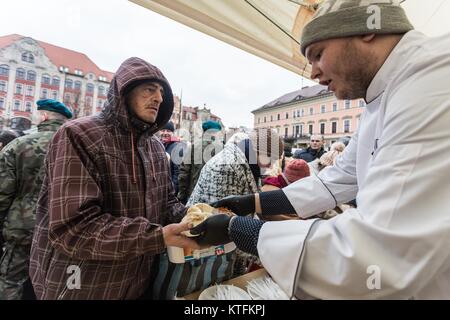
(54,106)
(207,125)
(296,169)
(339,19)
(169,126)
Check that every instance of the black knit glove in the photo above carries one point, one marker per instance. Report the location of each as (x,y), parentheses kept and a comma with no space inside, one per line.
(240,205)
(213,231)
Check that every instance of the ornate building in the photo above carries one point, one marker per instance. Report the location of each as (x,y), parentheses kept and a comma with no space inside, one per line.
(31,70)
(311,110)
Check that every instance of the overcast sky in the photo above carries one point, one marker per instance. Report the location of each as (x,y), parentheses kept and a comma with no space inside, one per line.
(207,71)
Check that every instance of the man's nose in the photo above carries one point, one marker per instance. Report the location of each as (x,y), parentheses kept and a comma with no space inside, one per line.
(315,71)
(158,96)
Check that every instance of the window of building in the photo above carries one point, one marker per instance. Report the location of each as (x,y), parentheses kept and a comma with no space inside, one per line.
(46,79)
(28,106)
(55,81)
(4,70)
(311,111)
(293,114)
(68,84)
(334,106)
(297,131)
(30,91)
(310,129)
(55,95)
(2,103)
(347,104)
(334,127)
(89,101)
(322,128)
(77,85)
(28,57)
(264,119)
(301,130)
(67,98)
(298,113)
(287,115)
(101,90)
(3,86)
(286,130)
(90,88)
(271,118)
(346,126)
(44,93)
(19,88)
(361,103)
(323,109)
(31,75)
(20,73)
(303,112)
(278,117)
(16,105)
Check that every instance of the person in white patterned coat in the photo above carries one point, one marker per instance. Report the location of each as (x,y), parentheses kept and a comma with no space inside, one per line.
(236,170)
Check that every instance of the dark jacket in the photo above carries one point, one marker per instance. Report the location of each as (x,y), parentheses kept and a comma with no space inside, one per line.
(308,154)
(105,197)
(190,169)
(176,150)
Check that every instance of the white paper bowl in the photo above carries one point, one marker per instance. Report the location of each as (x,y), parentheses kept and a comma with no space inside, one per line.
(230,293)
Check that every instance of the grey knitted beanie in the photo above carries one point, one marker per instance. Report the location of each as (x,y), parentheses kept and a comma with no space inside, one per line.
(346,18)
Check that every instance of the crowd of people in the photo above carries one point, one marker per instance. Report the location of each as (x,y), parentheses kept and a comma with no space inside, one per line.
(89,206)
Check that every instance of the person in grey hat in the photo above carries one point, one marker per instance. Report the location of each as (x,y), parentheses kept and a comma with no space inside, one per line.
(394,245)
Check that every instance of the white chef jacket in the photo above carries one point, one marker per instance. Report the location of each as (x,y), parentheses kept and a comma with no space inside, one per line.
(397,166)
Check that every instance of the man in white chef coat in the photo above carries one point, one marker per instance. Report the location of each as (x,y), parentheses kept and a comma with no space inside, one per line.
(395,244)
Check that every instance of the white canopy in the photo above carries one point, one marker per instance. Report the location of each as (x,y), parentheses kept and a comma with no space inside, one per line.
(271,29)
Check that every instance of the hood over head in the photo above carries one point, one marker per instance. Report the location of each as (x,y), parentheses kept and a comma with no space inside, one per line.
(131,72)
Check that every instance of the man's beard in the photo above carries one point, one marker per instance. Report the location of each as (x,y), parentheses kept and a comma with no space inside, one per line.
(356,73)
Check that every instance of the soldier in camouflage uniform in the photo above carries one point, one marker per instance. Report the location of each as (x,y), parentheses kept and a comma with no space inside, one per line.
(20,182)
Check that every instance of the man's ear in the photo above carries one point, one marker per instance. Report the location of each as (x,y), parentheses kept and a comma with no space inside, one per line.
(368,37)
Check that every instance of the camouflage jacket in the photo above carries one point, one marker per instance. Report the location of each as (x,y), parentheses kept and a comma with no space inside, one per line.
(20,182)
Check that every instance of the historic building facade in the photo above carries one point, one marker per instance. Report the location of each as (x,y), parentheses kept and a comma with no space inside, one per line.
(311,110)
(31,70)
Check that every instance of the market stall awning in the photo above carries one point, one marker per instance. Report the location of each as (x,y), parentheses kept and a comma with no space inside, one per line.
(271,29)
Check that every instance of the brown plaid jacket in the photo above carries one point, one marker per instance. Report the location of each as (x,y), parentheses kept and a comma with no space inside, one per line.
(92,216)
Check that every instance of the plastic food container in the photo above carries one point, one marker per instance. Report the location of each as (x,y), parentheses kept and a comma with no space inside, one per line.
(181,255)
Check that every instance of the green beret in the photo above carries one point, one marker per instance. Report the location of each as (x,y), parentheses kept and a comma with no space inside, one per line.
(207,125)
(54,106)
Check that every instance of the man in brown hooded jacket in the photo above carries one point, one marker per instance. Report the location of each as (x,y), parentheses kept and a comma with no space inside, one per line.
(107,204)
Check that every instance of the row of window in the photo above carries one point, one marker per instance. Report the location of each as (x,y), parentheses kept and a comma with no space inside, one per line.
(17,106)
(298,130)
(301,113)
(69,99)
(30,75)
(70,84)
(30,89)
